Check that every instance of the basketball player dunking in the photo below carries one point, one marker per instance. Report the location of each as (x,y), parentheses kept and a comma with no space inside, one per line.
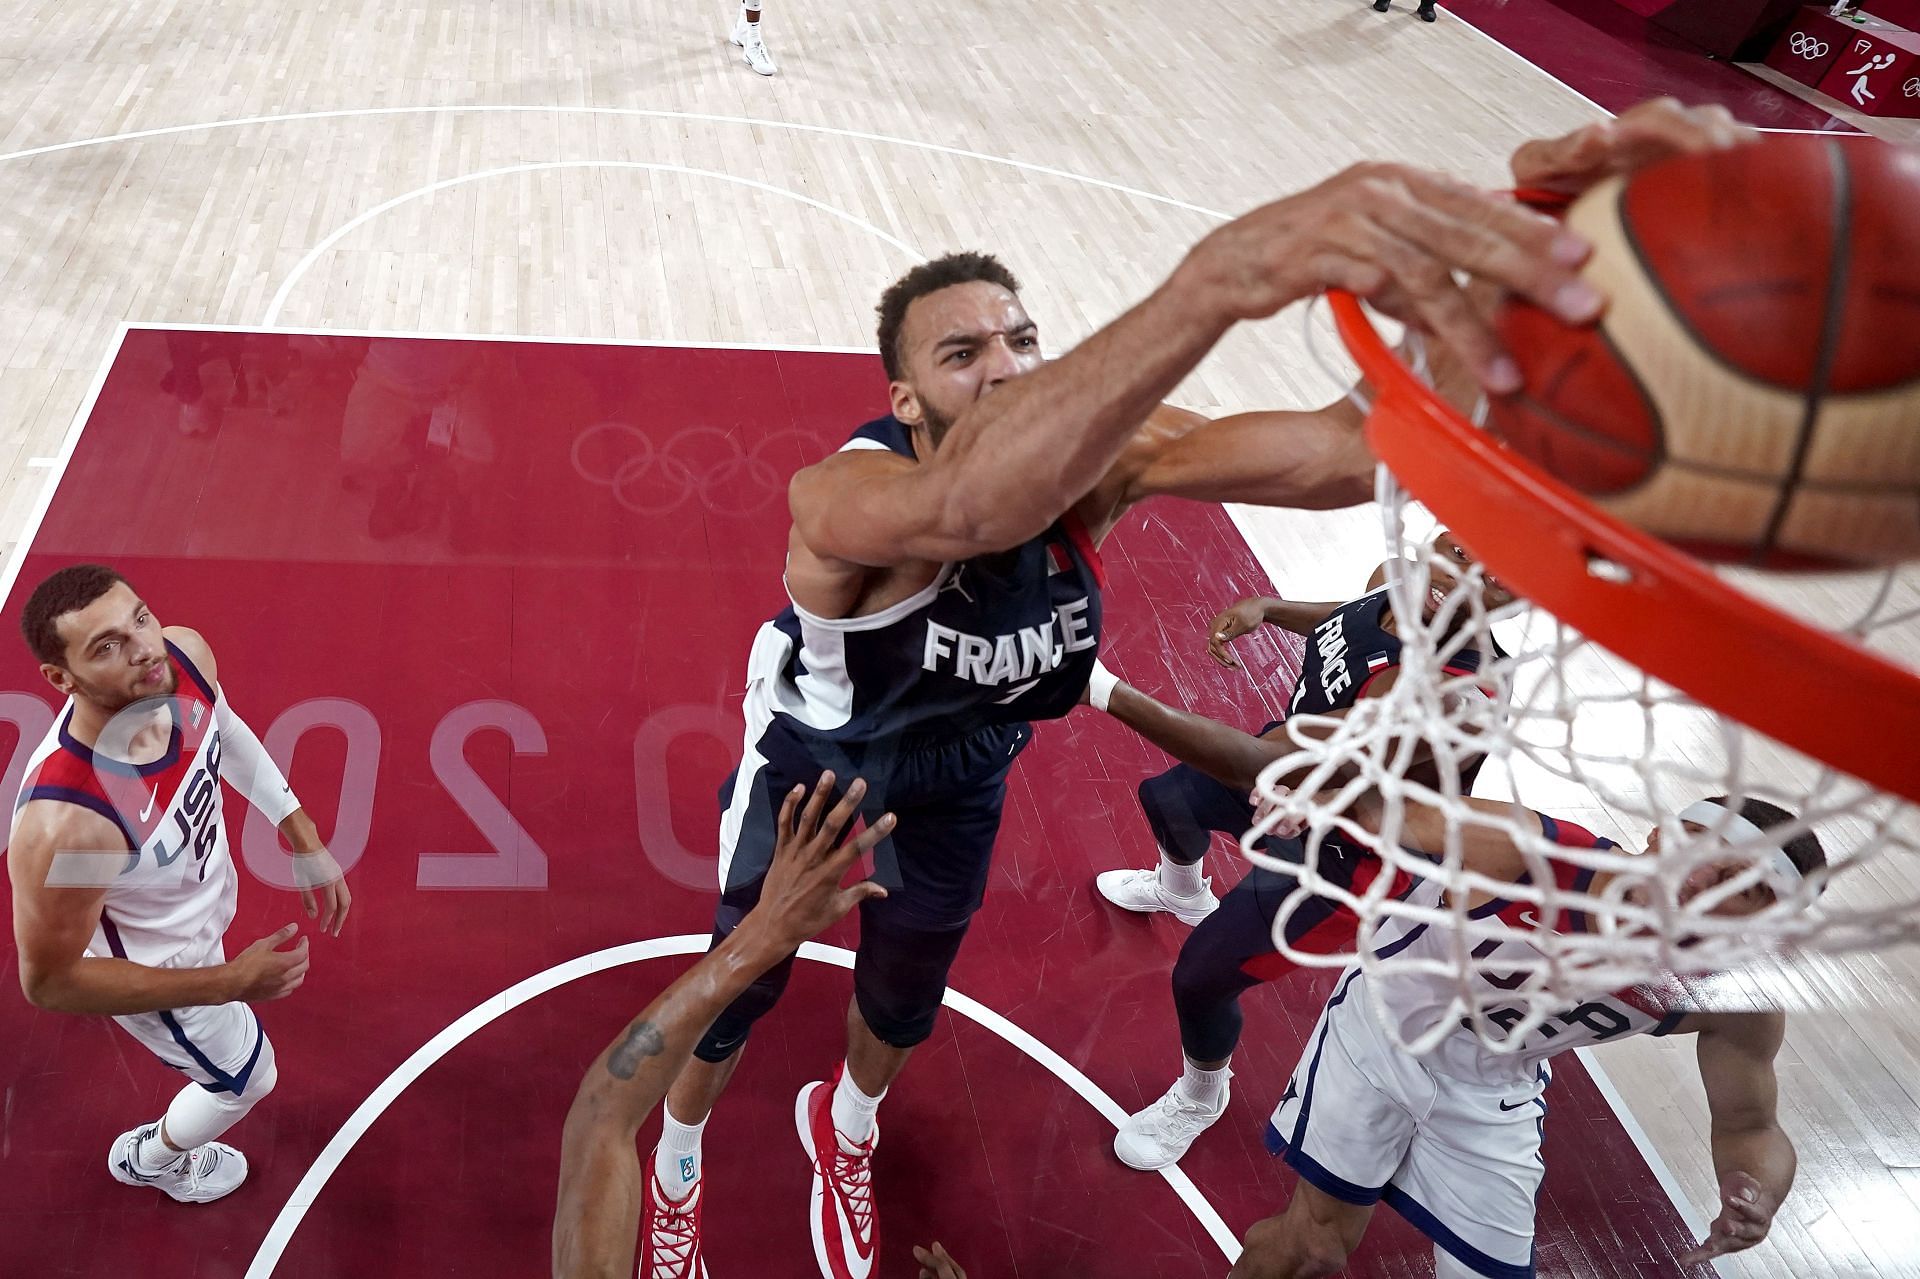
(1353,653)
(945,580)
(1452,1140)
(123,885)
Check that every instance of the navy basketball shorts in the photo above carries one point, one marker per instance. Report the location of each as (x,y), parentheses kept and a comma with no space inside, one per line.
(947,795)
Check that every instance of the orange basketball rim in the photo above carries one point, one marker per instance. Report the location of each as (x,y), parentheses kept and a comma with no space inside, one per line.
(1820,693)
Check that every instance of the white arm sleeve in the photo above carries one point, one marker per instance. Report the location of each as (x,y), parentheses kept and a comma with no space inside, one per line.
(246,766)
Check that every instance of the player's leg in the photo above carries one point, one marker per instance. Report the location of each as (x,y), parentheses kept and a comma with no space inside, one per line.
(1184,808)
(1208,980)
(948,799)
(1312,1238)
(230,1060)
(1344,1125)
(670,1243)
(746,34)
(1472,1175)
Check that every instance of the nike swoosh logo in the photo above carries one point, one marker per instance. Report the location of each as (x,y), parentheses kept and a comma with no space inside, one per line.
(1530,919)
(1517,1106)
(153,797)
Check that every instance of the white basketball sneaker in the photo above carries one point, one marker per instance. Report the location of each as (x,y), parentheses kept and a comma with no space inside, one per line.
(1142,890)
(752,48)
(1160,1134)
(198,1176)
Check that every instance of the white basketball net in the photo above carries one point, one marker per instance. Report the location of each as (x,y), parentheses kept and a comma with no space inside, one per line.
(1572,731)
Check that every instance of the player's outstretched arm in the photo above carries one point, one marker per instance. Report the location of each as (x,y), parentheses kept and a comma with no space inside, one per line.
(600,1174)
(1222,752)
(1021,456)
(1752,1157)
(1250,614)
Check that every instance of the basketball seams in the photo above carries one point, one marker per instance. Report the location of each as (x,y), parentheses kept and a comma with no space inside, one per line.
(1673,305)
(1832,319)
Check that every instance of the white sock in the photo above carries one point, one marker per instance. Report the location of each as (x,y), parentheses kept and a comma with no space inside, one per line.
(1205,1087)
(151,1155)
(1182,879)
(676,1160)
(853,1111)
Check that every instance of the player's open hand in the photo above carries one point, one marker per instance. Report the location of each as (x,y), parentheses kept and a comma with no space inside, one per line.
(1644,135)
(1746,1213)
(264,972)
(936,1264)
(1230,623)
(803,893)
(1397,236)
(323,889)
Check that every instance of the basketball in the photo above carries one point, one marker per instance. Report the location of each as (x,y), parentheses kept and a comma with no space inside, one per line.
(1752,393)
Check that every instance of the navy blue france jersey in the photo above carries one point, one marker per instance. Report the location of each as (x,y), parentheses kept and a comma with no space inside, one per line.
(1349,649)
(994,640)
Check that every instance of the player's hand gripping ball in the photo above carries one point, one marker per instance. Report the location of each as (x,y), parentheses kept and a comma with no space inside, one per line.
(1752,393)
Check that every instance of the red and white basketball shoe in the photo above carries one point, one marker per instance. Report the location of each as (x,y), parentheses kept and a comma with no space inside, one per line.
(670,1248)
(846,1230)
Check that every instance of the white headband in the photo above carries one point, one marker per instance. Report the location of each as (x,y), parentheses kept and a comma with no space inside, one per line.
(1772,858)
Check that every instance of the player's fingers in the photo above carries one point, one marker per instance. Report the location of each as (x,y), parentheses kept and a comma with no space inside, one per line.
(865,890)
(1412,249)
(281,934)
(306,900)
(1494,238)
(787,806)
(844,812)
(816,805)
(876,830)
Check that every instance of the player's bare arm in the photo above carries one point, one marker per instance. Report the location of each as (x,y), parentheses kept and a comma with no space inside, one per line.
(62,856)
(601,1179)
(322,885)
(1249,615)
(1752,1158)
(1021,456)
(1229,755)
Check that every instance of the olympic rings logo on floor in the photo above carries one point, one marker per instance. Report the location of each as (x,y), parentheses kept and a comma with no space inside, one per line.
(1807,46)
(702,462)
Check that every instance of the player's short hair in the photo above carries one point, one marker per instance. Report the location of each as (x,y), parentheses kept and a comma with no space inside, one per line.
(67,591)
(1804,850)
(931,277)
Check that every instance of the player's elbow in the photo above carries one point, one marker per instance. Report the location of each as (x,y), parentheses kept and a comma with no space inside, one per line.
(42,986)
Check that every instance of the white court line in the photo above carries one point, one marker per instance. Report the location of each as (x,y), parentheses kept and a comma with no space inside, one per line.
(308,1191)
(58,465)
(334,237)
(637,112)
(1663,1174)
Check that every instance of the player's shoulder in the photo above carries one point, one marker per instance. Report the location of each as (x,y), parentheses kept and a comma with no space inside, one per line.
(194,645)
(42,826)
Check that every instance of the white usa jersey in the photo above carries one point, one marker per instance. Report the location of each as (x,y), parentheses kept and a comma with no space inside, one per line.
(172,890)
(1415,1002)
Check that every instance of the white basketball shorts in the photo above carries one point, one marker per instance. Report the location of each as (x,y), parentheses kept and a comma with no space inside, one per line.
(216,1046)
(1367,1122)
